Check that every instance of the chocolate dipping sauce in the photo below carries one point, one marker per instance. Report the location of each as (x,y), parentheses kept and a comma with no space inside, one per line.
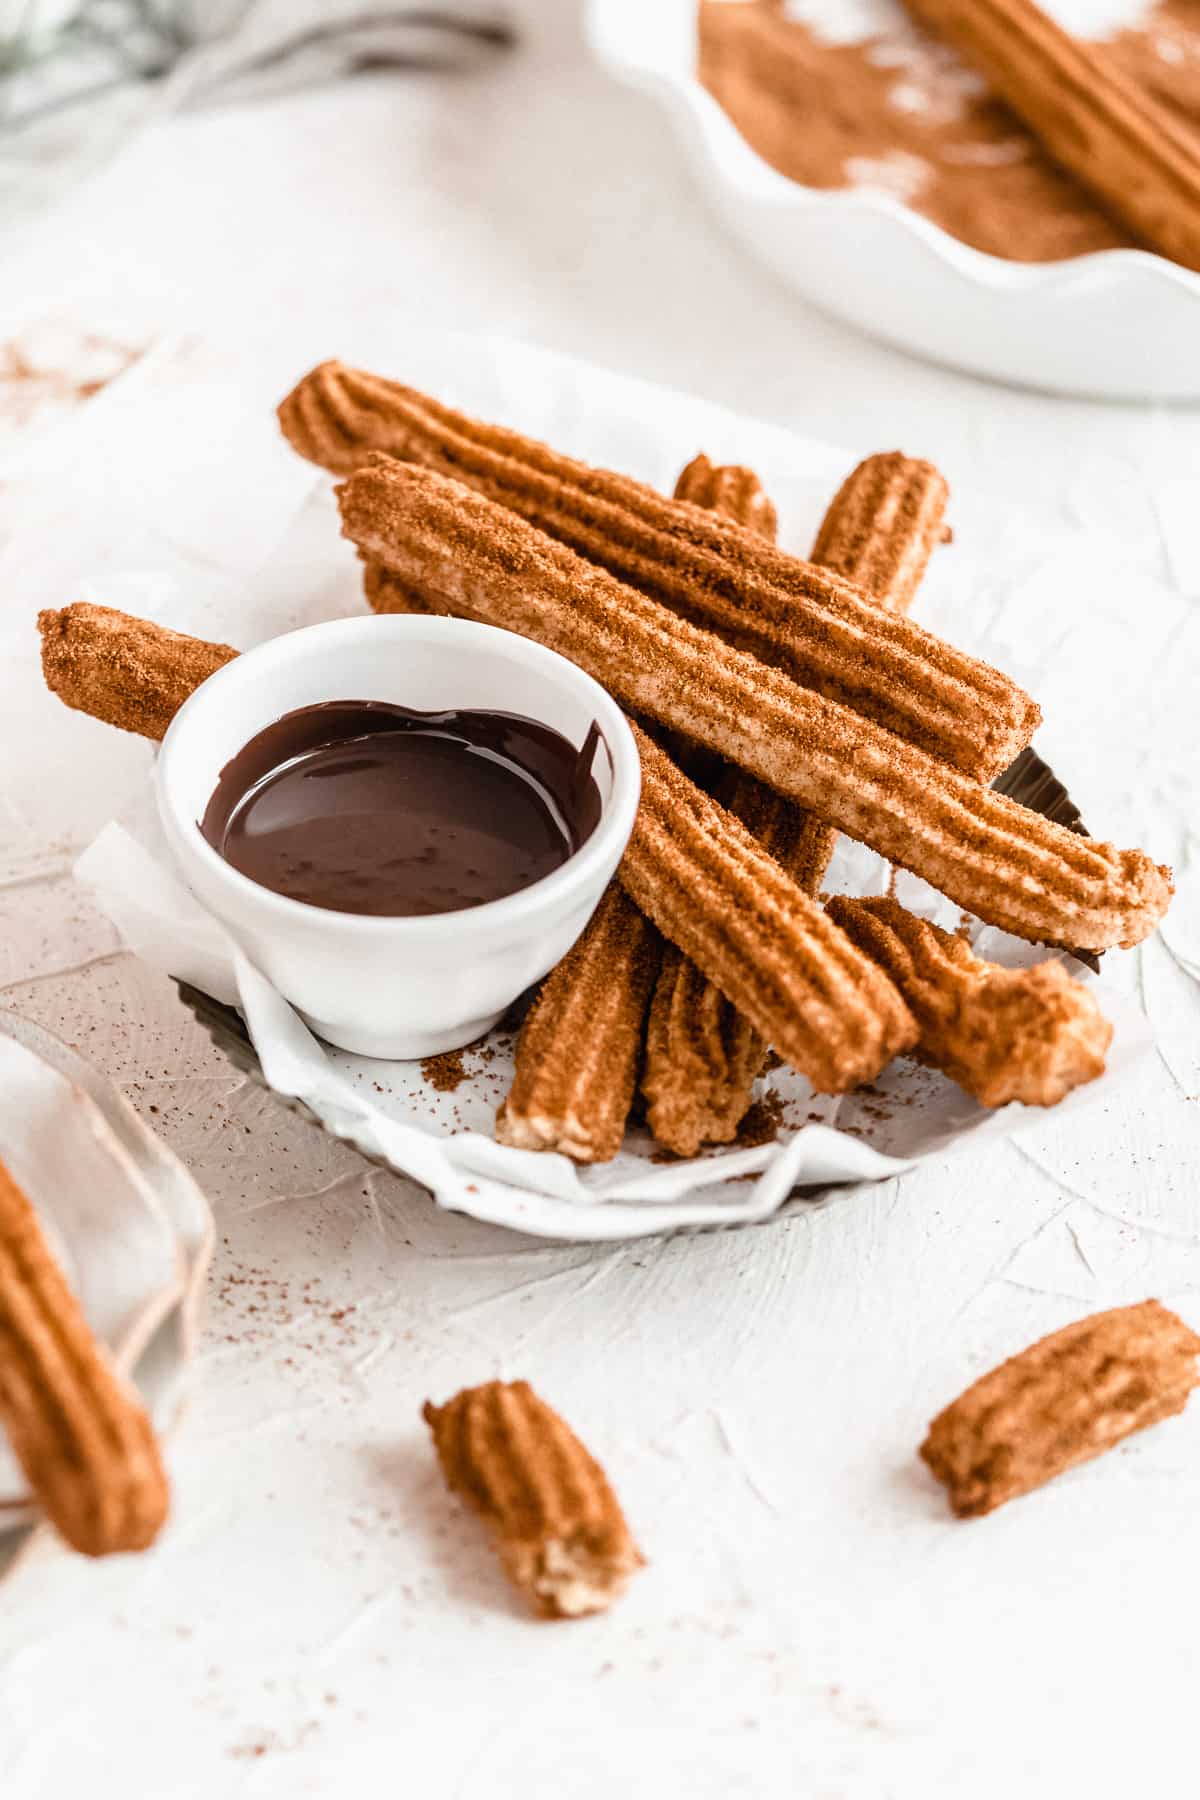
(364,807)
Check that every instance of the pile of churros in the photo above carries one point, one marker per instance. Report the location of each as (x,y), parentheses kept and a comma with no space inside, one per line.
(776,702)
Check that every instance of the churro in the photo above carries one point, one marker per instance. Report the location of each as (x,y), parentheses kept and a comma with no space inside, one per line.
(1002,1034)
(1066,1399)
(79,1432)
(813,625)
(702,1056)
(731,491)
(465,554)
(721,899)
(1140,162)
(125,671)
(580,1047)
(556,1524)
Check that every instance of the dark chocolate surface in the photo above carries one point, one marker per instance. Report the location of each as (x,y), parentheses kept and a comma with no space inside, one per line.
(365,807)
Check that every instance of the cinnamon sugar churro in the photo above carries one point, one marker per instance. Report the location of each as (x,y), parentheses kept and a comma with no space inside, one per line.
(1064,1400)
(729,490)
(1006,865)
(580,1047)
(554,1519)
(78,1430)
(812,624)
(125,671)
(1140,162)
(702,1056)
(1002,1034)
(717,895)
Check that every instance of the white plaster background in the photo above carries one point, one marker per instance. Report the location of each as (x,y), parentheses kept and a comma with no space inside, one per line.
(318,1618)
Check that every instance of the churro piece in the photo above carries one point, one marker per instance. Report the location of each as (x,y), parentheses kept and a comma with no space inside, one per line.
(720,576)
(1139,161)
(996,859)
(556,1524)
(731,491)
(78,1430)
(581,1044)
(715,893)
(1002,1034)
(122,670)
(1066,1399)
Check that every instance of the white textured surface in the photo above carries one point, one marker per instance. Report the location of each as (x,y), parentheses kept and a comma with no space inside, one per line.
(812,1622)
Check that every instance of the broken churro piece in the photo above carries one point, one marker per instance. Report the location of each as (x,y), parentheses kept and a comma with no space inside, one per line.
(79,1432)
(556,1524)
(1139,160)
(581,1044)
(1063,1401)
(1002,1034)
(996,859)
(124,671)
(813,625)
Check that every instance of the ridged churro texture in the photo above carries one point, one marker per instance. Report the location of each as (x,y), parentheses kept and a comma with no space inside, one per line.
(702,1056)
(556,1524)
(123,671)
(731,491)
(817,627)
(580,1047)
(883,525)
(1140,162)
(1002,1034)
(1063,1401)
(465,554)
(78,1430)
(713,890)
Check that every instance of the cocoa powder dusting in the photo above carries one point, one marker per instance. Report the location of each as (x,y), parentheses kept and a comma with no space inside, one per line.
(899,111)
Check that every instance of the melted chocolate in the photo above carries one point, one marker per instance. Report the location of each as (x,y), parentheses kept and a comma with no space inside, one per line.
(364,807)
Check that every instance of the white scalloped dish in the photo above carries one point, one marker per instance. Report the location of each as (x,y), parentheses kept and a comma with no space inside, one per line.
(1118,324)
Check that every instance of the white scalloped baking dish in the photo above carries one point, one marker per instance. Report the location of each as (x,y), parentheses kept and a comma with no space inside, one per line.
(1119,324)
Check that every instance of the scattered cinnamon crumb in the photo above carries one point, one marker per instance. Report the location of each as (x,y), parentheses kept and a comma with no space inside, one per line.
(762,1123)
(445,1072)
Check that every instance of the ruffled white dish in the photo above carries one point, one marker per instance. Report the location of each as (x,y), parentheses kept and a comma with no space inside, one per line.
(127,1221)
(1119,324)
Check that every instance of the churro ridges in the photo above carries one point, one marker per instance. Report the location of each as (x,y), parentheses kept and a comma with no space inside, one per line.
(988,854)
(125,671)
(1002,1034)
(555,1521)
(883,525)
(1061,1402)
(581,1044)
(816,626)
(732,491)
(79,1432)
(702,1059)
(721,899)
(1110,131)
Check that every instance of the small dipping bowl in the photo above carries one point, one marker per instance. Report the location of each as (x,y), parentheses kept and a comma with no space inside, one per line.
(398,987)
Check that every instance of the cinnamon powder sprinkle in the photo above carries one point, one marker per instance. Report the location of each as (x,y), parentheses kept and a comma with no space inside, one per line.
(899,112)
(445,1072)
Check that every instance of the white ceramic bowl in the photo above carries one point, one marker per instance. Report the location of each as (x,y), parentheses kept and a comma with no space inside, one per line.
(1120,324)
(381,986)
